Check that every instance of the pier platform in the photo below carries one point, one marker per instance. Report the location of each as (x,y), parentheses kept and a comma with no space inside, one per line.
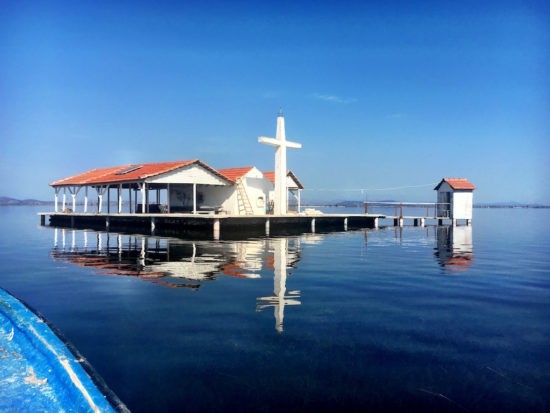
(211,225)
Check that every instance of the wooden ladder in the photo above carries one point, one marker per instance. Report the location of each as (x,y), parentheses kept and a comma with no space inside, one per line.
(245,208)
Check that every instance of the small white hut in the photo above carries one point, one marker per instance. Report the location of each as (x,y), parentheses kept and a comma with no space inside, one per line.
(455,197)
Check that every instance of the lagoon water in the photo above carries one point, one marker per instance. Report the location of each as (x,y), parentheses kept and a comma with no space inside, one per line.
(418,319)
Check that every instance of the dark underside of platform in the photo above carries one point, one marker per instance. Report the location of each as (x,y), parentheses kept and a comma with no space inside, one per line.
(203,227)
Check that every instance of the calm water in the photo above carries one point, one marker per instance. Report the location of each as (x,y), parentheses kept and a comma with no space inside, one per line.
(423,319)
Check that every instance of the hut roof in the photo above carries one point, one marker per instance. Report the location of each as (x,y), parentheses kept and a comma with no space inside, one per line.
(456,183)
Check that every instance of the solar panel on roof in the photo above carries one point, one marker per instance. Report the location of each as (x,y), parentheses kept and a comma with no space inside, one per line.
(128,170)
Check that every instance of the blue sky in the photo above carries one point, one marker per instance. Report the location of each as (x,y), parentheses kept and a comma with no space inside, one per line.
(381,96)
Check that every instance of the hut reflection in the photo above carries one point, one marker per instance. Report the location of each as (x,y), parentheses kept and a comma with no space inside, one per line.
(454,249)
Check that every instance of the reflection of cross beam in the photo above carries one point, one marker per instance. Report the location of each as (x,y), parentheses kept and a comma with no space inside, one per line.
(280,297)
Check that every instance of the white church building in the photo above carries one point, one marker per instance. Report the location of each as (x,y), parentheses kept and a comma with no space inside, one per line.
(191,187)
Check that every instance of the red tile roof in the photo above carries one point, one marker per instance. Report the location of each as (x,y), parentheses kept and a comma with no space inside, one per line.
(235,173)
(457,183)
(142,171)
(271,177)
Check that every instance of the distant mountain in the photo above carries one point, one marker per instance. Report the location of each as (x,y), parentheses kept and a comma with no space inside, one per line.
(5,200)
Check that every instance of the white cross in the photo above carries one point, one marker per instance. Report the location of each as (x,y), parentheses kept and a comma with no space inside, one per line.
(280,144)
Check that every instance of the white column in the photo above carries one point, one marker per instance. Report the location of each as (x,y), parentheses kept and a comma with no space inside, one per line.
(64,200)
(143,198)
(99,204)
(119,192)
(168,196)
(299,200)
(74,202)
(194,198)
(55,199)
(86,199)
(130,198)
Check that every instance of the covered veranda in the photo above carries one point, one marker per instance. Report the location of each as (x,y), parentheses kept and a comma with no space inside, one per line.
(148,188)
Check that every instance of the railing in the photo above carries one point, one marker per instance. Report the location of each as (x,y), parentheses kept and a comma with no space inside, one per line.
(443,212)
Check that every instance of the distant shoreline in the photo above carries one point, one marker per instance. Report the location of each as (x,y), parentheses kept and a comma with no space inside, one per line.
(15,202)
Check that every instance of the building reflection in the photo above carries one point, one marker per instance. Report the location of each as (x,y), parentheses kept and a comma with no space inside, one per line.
(178,263)
(454,249)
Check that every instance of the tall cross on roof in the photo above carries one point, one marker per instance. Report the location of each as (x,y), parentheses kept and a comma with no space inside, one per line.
(280,144)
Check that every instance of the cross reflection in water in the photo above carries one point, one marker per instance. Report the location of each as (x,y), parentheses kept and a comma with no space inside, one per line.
(178,263)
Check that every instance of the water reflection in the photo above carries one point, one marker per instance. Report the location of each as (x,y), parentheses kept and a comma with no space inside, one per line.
(454,249)
(177,263)
(283,258)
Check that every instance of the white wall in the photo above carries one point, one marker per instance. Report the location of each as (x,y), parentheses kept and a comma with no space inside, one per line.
(258,189)
(462,204)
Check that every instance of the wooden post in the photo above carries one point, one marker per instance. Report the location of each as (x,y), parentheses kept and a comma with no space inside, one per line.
(168,196)
(401,210)
(86,199)
(345,224)
(216,229)
(130,198)
(313,225)
(42,220)
(366,205)
(194,198)
(147,189)
(56,189)
(142,198)
(119,193)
